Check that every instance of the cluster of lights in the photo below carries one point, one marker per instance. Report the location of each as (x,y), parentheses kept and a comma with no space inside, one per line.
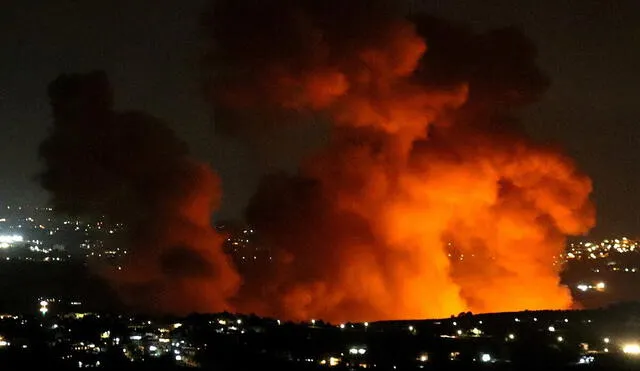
(600,286)
(7,240)
(332,361)
(4,238)
(586,359)
(631,348)
(357,352)
(241,246)
(599,250)
(44,307)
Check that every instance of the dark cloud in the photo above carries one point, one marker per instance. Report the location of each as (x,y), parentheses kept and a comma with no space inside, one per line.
(184,262)
(131,168)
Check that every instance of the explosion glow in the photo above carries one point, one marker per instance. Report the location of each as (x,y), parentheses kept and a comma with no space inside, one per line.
(426,199)
(421,160)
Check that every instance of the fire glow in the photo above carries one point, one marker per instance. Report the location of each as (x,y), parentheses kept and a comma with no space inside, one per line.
(422,157)
(416,161)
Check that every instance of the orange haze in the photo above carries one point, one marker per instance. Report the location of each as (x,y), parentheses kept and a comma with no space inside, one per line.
(414,208)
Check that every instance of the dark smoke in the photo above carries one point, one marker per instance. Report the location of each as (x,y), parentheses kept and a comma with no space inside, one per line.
(278,137)
(131,168)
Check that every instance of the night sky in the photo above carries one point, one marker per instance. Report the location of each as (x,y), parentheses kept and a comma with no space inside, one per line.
(152,52)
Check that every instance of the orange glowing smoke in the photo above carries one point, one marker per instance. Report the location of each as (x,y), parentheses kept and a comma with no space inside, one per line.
(413,165)
(130,168)
(176,264)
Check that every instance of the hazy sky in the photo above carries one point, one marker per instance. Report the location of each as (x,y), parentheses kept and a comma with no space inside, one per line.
(150,49)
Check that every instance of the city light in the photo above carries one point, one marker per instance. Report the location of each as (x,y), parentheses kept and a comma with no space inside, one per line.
(8,239)
(632,348)
(600,249)
(586,359)
(598,286)
(163,340)
(44,307)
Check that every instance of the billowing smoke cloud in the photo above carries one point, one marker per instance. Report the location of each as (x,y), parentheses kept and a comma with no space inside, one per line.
(131,168)
(428,199)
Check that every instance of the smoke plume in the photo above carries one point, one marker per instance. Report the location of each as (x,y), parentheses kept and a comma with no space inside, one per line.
(428,200)
(131,168)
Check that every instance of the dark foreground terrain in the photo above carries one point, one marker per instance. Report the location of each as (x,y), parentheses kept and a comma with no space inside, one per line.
(604,339)
(84,326)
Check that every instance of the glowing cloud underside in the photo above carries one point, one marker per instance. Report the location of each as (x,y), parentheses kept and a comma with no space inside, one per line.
(423,158)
